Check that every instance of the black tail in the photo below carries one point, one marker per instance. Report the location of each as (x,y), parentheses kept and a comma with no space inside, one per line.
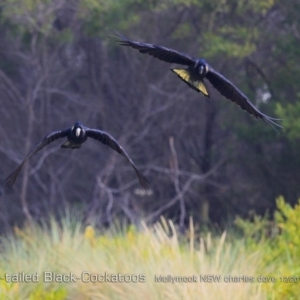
(69,145)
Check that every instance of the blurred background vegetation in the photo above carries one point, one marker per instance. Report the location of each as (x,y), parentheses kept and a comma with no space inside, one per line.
(267,253)
(57,66)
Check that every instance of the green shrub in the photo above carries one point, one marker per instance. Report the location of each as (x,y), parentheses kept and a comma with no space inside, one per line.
(281,248)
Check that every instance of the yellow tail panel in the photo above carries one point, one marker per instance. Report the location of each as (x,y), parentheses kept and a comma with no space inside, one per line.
(197,85)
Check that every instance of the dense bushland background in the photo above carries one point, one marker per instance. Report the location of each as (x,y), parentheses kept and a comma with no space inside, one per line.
(214,171)
(204,158)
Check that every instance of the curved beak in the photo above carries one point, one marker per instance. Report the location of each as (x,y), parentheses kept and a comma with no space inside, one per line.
(78,130)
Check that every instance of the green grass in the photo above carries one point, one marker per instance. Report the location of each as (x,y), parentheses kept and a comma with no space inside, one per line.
(147,252)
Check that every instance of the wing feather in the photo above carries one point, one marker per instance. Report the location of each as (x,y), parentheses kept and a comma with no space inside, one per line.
(231,92)
(108,140)
(160,52)
(10,180)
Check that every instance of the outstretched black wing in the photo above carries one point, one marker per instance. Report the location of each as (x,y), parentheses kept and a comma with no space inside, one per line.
(9,181)
(108,140)
(160,52)
(231,92)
